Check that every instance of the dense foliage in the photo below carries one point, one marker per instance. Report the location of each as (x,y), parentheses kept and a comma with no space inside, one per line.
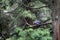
(25,20)
(32,34)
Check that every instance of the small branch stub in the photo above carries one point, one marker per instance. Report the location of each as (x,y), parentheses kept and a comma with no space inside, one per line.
(56,18)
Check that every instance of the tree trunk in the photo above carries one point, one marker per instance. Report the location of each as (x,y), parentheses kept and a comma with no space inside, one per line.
(55,4)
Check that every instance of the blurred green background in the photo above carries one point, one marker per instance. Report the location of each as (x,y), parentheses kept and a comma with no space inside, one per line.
(17,20)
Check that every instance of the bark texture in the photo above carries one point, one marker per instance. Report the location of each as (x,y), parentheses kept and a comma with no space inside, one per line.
(55,4)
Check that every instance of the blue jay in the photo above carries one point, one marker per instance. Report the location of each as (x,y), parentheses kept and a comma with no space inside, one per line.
(37,22)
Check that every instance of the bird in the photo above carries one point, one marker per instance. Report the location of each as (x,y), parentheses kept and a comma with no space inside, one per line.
(37,22)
